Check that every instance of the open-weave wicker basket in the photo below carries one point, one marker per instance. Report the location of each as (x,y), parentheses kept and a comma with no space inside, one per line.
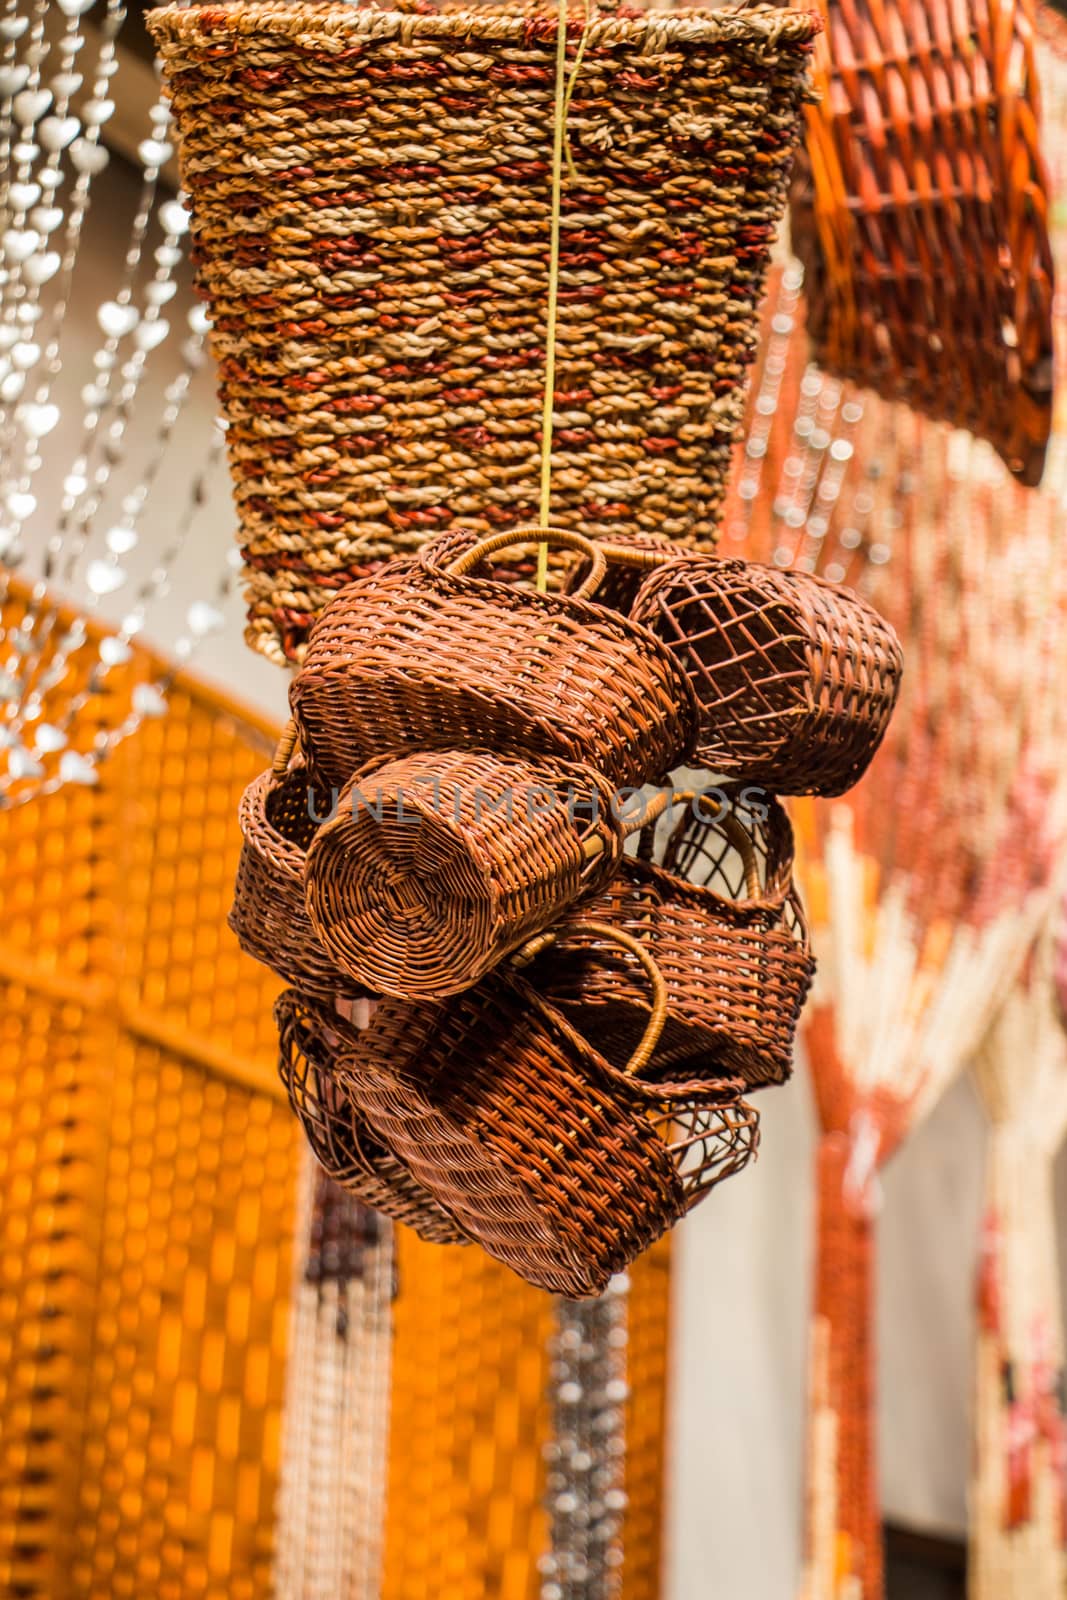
(418,657)
(920,213)
(722,919)
(436,866)
(558,1164)
(345,1146)
(277,817)
(796,677)
(371,194)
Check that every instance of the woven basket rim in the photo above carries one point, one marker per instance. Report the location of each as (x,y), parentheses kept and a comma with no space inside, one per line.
(338,21)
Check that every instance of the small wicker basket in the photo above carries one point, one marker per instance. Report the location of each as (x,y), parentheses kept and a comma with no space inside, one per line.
(277,817)
(560,1165)
(347,1149)
(920,212)
(417,658)
(796,677)
(438,865)
(721,918)
(371,195)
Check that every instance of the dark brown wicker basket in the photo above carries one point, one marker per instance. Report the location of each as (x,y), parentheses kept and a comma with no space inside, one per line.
(796,677)
(345,1146)
(559,1165)
(277,817)
(371,194)
(416,658)
(724,924)
(437,865)
(920,211)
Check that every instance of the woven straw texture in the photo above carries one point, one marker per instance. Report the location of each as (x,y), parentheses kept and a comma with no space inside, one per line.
(346,1148)
(147,1161)
(557,1164)
(734,953)
(371,195)
(796,678)
(921,215)
(416,658)
(437,866)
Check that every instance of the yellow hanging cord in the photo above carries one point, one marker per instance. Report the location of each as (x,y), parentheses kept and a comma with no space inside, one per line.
(559,132)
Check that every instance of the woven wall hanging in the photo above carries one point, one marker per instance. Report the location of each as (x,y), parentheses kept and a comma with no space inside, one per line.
(924,886)
(1018,1536)
(921,214)
(378,280)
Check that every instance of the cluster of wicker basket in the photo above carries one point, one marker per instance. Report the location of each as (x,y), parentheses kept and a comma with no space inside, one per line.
(565,1027)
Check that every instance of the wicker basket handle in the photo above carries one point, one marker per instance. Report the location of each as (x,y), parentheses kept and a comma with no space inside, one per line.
(734,831)
(559,537)
(283,755)
(646,1045)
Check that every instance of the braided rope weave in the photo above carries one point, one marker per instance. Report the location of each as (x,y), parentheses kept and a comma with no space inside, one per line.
(371,200)
(920,212)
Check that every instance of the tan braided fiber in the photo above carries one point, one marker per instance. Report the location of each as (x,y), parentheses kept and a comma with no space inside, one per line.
(371,195)
(416,657)
(796,677)
(268,914)
(737,964)
(920,212)
(437,865)
(559,1165)
(345,1147)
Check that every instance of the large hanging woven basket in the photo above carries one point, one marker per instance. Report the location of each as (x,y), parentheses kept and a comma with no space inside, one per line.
(371,194)
(559,1165)
(438,865)
(422,656)
(277,817)
(345,1146)
(796,677)
(724,924)
(920,214)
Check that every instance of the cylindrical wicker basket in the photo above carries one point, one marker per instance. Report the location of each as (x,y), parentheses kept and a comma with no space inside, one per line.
(722,920)
(920,213)
(277,818)
(796,677)
(562,1167)
(345,1146)
(416,658)
(371,194)
(437,865)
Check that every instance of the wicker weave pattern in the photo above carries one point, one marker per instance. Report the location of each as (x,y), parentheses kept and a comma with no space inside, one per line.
(413,658)
(345,1147)
(737,966)
(921,215)
(553,1161)
(371,191)
(797,678)
(437,866)
(268,914)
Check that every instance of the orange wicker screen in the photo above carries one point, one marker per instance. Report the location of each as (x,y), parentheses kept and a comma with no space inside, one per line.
(147,1171)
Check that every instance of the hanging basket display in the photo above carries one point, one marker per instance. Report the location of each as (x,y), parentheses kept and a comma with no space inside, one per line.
(725,926)
(371,194)
(920,212)
(796,677)
(417,657)
(437,865)
(346,1148)
(277,819)
(560,1165)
